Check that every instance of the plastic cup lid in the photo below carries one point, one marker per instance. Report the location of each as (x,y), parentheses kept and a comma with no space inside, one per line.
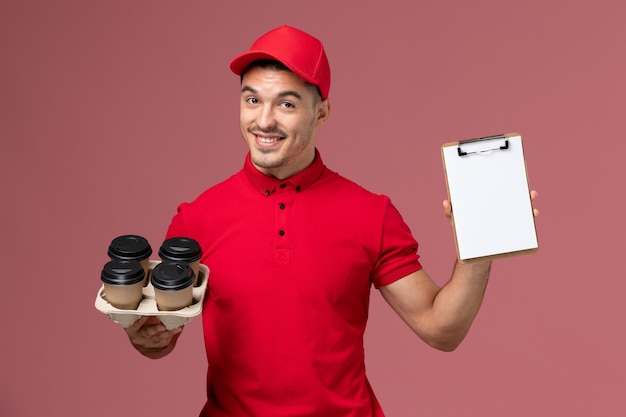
(129,247)
(172,276)
(180,249)
(122,272)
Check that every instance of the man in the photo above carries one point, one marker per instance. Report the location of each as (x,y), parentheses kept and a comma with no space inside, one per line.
(293,250)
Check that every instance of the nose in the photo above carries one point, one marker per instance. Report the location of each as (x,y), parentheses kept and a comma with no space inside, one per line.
(265,119)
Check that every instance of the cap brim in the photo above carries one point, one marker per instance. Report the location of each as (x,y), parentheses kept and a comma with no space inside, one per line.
(239,64)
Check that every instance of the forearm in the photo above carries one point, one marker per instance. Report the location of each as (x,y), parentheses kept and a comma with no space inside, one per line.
(457,303)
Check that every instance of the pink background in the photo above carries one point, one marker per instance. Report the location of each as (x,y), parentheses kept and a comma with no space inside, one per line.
(113,112)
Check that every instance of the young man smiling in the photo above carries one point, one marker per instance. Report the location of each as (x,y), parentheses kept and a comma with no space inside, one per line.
(294,249)
(279,114)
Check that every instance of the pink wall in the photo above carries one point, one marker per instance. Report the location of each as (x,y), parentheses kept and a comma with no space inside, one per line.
(113,112)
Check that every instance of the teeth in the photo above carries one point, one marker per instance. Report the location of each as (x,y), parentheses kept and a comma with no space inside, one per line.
(267,140)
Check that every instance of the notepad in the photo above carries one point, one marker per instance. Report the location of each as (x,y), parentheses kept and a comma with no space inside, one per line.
(488,189)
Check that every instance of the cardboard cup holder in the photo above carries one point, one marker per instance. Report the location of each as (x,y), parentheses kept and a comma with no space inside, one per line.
(148,306)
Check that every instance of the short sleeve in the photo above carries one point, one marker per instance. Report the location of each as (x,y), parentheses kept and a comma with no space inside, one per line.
(398,249)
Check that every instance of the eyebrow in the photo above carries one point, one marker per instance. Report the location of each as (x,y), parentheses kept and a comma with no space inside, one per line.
(282,94)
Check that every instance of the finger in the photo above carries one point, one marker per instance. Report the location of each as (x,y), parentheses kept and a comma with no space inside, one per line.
(146,337)
(162,339)
(533,195)
(133,328)
(447,208)
(168,334)
(157,342)
(155,330)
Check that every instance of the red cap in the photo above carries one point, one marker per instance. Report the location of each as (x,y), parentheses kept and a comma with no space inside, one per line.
(297,50)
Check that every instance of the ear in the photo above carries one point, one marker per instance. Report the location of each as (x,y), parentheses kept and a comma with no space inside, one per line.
(323,112)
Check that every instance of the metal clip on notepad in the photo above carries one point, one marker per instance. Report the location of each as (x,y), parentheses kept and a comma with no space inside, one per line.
(486,138)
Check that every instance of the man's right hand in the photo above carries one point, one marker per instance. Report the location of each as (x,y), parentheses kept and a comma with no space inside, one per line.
(150,337)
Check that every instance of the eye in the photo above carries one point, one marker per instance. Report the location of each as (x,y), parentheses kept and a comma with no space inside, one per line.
(287,105)
(252,100)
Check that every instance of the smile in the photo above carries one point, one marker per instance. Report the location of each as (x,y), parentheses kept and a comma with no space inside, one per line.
(267,140)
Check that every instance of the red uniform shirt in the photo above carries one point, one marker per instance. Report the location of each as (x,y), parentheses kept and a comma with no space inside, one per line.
(291,266)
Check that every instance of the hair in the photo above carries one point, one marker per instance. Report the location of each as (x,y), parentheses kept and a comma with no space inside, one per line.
(277,66)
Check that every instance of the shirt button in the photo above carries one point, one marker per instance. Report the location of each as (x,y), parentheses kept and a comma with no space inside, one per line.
(298,188)
(281,232)
(283,185)
(267,192)
(282,206)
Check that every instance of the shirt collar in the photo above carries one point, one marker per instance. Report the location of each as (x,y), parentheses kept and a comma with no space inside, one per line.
(266,184)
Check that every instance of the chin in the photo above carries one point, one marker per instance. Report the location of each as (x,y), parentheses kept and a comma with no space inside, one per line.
(262,160)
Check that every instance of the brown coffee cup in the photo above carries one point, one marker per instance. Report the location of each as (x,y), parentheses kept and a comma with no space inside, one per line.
(173,285)
(182,249)
(132,248)
(123,283)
